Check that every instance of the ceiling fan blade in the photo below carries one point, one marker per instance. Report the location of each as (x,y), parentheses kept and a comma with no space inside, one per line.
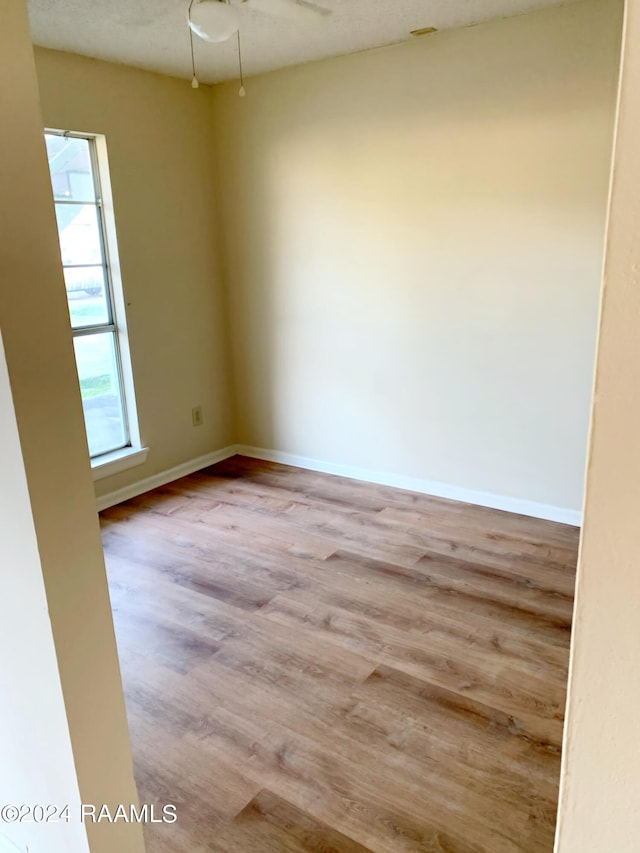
(295,10)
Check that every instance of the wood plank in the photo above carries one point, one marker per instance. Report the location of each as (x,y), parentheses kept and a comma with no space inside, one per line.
(316,664)
(536,705)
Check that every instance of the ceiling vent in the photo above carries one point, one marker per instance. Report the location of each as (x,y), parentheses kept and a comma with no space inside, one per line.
(425,31)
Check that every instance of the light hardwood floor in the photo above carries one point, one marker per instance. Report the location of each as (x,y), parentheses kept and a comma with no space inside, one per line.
(316,664)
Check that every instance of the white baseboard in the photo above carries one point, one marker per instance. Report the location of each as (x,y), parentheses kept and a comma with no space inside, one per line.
(164,477)
(415,484)
(399,481)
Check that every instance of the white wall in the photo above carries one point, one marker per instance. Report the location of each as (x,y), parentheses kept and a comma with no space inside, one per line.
(600,792)
(36,764)
(38,348)
(413,252)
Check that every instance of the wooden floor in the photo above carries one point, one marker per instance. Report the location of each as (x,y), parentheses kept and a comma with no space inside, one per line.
(316,664)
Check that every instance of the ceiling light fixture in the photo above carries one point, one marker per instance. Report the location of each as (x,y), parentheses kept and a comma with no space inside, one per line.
(216,21)
(213,20)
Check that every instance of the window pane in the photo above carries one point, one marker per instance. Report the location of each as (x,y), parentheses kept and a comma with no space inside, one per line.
(70,167)
(79,233)
(87,296)
(101,393)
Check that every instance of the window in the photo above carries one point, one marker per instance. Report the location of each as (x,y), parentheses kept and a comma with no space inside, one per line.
(87,244)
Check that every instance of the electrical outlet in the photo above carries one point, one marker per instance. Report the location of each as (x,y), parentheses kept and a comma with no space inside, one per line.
(196,416)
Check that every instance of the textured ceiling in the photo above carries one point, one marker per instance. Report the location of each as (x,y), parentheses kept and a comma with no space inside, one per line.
(153,34)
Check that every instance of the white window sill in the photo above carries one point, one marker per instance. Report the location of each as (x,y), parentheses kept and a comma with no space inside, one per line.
(119,460)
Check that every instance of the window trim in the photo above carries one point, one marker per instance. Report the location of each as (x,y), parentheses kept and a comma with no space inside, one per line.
(117,461)
(133,452)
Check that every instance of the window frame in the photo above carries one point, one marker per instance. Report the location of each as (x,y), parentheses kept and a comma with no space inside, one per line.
(132,452)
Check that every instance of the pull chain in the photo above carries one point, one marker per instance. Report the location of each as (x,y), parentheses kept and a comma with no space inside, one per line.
(241,91)
(194,79)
